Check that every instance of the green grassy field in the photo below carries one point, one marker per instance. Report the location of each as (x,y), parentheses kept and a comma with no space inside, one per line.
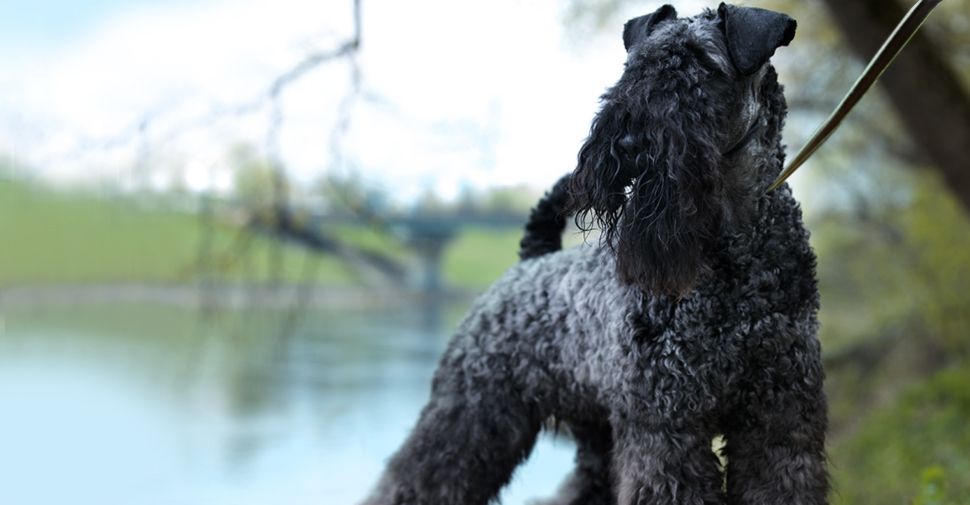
(480,256)
(53,238)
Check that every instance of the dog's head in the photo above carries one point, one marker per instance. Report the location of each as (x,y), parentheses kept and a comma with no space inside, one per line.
(685,143)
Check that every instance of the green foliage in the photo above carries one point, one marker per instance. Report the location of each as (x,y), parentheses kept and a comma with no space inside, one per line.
(940,232)
(255,184)
(893,272)
(932,487)
(915,449)
(898,267)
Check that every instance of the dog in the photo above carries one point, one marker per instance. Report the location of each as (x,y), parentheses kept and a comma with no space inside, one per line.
(692,317)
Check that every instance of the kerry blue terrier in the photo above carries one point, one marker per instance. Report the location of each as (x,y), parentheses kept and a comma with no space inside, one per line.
(694,316)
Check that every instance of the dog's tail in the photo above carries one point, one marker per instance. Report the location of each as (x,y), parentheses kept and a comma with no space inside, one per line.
(543,231)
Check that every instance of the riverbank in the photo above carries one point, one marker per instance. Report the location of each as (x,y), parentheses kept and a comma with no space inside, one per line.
(223,297)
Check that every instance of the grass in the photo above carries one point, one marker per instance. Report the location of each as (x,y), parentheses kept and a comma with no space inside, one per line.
(55,238)
(479,256)
(63,238)
(49,238)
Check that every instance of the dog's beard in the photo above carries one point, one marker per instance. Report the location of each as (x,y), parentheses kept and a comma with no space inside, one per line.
(664,235)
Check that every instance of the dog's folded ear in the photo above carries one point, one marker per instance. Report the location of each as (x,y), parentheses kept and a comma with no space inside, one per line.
(753,34)
(639,28)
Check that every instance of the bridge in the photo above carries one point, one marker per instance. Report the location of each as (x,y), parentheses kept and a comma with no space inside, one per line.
(429,234)
(426,233)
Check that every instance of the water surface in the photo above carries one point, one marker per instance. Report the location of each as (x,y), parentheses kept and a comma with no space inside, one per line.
(142,404)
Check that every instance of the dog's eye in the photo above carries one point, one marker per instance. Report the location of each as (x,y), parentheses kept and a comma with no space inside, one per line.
(752,132)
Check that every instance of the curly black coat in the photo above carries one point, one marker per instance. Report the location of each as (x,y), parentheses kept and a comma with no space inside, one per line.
(694,317)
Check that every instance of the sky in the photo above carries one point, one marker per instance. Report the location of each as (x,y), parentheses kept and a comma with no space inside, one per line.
(452,94)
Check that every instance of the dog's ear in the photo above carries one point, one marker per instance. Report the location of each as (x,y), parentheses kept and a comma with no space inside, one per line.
(639,28)
(753,34)
(597,187)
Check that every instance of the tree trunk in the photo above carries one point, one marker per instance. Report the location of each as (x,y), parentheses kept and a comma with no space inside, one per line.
(922,86)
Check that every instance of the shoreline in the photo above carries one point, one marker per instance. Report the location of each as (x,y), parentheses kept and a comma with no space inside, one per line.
(220,296)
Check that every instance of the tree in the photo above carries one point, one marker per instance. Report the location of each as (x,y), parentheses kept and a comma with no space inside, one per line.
(923,86)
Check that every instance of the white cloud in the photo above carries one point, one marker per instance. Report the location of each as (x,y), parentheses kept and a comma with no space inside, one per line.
(454,92)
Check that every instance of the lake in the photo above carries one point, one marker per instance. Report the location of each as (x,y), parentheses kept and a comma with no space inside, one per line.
(153,404)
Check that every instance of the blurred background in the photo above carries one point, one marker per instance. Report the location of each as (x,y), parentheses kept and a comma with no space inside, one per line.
(235,235)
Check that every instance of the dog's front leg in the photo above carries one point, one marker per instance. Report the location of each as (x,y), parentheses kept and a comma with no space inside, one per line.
(660,465)
(474,431)
(767,466)
(776,441)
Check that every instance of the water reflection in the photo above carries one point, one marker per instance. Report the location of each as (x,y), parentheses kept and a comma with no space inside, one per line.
(150,404)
